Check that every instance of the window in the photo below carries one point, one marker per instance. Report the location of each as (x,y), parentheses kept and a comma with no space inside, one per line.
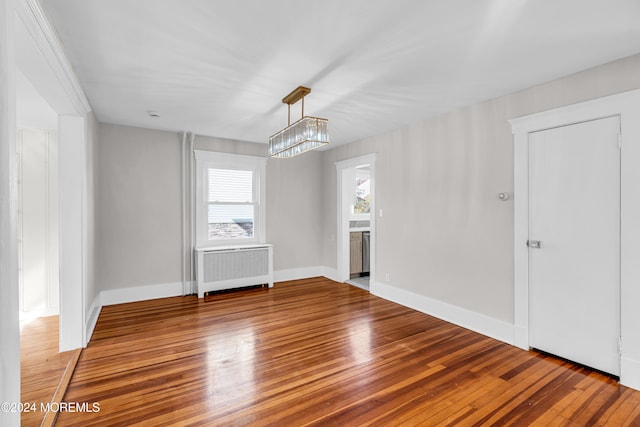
(363,192)
(229,207)
(361,179)
(231,204)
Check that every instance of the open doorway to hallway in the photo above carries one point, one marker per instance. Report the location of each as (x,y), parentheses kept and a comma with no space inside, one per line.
(42,365)
(358,183)
(356,221)
(38,258)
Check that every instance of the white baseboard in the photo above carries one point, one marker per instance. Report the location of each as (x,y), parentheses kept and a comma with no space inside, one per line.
(297,273)
(521,337)
(630,372)
(140,293)
(468,319)
(331,273)
(305,273)
(92,317)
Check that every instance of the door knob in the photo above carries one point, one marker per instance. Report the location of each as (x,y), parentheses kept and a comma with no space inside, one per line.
(534,244)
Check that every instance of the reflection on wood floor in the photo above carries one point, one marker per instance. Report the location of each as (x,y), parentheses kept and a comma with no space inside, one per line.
(317,352)
(41,365)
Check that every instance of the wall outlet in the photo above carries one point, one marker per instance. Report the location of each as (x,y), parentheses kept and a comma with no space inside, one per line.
(387,277)
(332,237)
(381,213)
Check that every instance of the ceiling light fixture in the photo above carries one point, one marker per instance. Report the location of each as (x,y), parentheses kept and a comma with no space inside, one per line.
(304,135)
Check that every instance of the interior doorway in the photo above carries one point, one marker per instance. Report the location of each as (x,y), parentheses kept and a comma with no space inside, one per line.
(41,63)
(356,221)
(38,259)
(38,218)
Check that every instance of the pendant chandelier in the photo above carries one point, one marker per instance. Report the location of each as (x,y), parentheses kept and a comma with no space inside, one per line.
(304,135)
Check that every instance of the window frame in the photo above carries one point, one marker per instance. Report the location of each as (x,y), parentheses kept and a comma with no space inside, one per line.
(206,160)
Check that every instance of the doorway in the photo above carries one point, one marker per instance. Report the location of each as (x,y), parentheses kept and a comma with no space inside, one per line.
(38,260)
(574,246)
(40,62)
(356,221)
(625,106)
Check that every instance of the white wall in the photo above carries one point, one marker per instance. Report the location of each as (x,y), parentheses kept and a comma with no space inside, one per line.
(445,237)
(32,111)
(137,215)
(91,290)
(72,232)
(9,327)
(138,209)
(294,213)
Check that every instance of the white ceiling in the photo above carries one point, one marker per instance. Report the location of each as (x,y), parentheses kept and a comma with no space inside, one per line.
(222,67)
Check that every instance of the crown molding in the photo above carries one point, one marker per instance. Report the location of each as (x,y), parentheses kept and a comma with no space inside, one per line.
(37,25)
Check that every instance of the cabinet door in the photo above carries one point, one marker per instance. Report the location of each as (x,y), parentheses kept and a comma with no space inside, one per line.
(355,253)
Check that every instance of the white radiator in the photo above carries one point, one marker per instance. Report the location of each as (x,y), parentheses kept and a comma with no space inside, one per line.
(230,267)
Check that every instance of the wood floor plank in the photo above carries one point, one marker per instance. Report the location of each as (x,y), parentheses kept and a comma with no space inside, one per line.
(623,410)
(317,352)
(42,366)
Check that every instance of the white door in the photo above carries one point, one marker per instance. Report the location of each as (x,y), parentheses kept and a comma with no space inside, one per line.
(574,274)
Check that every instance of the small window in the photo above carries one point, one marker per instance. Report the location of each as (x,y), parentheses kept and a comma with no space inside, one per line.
(231,210)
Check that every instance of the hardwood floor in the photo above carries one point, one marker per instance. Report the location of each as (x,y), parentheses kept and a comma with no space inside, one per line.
(41,366)
(316,352)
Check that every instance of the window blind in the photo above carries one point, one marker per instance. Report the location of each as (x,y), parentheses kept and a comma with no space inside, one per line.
(231,186)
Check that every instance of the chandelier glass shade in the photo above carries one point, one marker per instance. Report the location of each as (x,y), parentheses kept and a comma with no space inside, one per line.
(306,134)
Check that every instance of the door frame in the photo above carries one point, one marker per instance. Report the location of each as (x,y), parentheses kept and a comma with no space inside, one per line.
(47,68)
(627,106)
(342,238)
